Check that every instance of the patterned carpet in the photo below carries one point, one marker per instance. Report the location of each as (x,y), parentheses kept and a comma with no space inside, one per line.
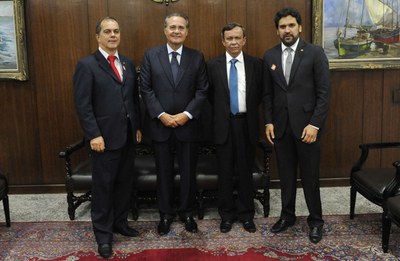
(344,239)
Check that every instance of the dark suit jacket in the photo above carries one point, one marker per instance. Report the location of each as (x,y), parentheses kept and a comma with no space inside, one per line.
(103,102)
(220,99)
(160,94)
(306,99)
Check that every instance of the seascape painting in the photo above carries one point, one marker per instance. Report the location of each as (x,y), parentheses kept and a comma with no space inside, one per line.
(8,45)
(359,32)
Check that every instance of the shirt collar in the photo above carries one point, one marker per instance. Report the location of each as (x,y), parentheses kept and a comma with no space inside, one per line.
(170,50)
(229,57)
(294,46)
(105,54)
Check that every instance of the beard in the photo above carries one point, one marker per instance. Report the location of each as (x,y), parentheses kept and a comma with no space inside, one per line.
(289,40)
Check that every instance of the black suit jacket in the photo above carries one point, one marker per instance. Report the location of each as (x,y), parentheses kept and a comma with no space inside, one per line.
(103,102)
(306,99)
(161,94)
(220,98)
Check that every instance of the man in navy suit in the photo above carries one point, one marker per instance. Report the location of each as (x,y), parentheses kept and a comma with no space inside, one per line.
(174,88)
(235,131)
(297,90)
(106,101)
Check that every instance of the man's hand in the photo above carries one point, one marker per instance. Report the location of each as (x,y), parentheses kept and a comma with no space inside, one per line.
(309,134)
(168,120)
(180,118)
(138,136)
(97,144)
(269,133)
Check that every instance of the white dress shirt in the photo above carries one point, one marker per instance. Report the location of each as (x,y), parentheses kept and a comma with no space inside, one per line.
(241,78)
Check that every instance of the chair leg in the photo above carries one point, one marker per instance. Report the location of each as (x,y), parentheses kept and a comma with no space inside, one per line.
(386,225)
(266,195)
(71,208)
(200,202)
(7,210)
(353,193)
(134,205)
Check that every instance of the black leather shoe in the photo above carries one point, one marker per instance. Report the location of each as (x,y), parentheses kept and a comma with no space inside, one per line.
(249,226)
(281,226)
(315,234)
(126,231)
(164,226)
(105,250)
(190,224)
(225,226)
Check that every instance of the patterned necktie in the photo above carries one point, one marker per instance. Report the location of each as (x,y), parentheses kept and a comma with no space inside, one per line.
(233,87)
(288,64)
(174,65)
(111,58)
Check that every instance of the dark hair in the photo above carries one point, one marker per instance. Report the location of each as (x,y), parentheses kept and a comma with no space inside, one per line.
(230,26)
(286,12)
(98,24)
(179,15)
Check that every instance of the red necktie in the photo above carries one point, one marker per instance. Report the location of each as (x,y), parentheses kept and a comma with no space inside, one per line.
(111,58)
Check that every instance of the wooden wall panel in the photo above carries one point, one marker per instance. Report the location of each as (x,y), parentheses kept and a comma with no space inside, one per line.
(38,116)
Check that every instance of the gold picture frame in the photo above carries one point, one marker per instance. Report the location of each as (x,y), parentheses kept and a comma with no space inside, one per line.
(364,45)
(13,59)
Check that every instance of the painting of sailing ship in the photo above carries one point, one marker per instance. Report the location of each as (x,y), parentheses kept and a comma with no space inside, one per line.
(8,46)
(13,59)
(359,31)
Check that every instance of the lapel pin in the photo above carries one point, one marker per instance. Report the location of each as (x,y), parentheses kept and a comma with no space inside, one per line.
(273,67)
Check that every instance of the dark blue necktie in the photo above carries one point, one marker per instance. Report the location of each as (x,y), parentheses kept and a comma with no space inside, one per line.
(174,65)
(233,87)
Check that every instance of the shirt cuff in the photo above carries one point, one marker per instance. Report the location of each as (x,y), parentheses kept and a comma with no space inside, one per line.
(188,114)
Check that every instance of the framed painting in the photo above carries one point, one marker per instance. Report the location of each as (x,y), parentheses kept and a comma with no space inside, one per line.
(358,34)
(13,61)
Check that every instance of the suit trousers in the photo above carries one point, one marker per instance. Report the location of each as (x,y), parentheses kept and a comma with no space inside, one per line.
(112,183)
(236,158)
(293,155)
(186,155)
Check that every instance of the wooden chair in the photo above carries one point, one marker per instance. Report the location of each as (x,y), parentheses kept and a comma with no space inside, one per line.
(373,183)
(391,208)
(4,198)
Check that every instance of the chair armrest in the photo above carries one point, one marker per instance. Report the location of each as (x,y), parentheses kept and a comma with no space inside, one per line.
(266,148)
(365,151)
(66,153)
(393,187)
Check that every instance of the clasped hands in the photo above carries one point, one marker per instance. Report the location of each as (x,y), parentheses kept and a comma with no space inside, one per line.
(175,120)
(308,136)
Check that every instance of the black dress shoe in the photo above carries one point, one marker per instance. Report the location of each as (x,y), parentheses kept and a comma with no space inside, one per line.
(190,224)
(315,234)
(164,226)
(225,226)
(105,250)
(249,226)
(126,231)
(281,226)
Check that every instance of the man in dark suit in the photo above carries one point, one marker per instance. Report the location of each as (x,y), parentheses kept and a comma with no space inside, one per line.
(174,88)
(297,90)
(106,101)
(235,80)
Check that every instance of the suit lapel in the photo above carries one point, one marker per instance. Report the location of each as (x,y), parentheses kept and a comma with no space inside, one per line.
(165,63)
(249,76)
(103,63)
(297,59)
(279,65)
(183,65)
(222,71)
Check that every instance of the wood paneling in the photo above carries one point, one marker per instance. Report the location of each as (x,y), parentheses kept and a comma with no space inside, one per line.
(38,116)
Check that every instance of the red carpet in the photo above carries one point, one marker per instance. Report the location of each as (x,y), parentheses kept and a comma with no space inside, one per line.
(344,239)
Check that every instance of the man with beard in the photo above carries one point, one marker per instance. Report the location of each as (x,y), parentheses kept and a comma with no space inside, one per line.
(296,99)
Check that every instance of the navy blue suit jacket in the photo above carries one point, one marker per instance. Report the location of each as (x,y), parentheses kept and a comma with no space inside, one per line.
(161,94)
(103,102)
(306,99)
